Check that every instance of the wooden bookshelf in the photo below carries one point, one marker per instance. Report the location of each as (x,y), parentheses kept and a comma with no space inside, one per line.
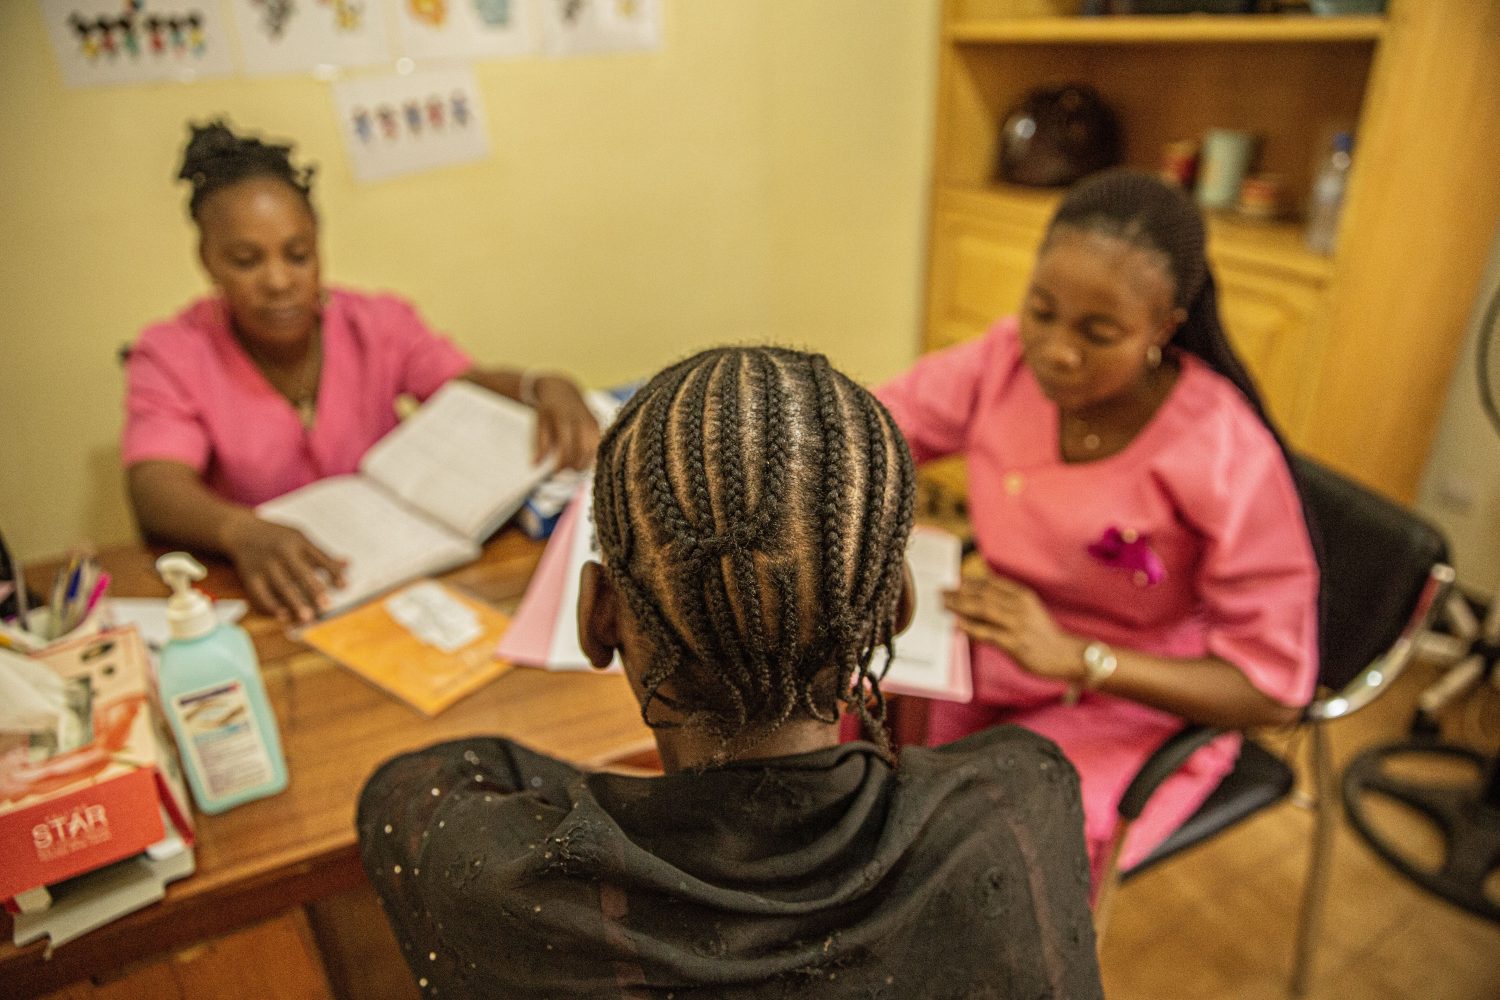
(1352,351)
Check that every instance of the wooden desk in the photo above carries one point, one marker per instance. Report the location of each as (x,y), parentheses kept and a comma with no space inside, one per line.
(283,852)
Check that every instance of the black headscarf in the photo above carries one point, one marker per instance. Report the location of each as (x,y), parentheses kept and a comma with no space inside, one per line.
(506,873)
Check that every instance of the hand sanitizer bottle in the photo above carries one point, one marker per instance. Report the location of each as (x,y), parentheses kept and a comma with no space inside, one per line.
(214,697)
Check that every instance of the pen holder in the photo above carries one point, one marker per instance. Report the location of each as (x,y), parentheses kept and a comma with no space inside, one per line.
(38,627)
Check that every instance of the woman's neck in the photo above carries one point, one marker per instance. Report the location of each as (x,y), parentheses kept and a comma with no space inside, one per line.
(693,749)
(1107,428)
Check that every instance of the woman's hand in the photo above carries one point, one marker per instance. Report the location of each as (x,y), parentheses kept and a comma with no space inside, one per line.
(285,574)
(565,424)
(1002,612)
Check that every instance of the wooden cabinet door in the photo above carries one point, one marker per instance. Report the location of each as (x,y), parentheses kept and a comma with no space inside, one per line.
(1275,322)
(981,261)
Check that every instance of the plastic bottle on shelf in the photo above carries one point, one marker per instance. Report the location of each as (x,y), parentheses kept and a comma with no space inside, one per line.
(1327,201)
(215,699)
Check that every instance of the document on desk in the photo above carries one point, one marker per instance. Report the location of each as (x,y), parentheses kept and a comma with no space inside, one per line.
(427,644)
(932,656)
(426,496)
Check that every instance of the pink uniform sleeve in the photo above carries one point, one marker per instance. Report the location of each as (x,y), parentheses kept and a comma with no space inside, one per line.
(934,401)
(162,420)
(1258,579)
(426,359)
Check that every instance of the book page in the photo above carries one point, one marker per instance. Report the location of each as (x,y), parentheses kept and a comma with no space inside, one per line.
(931,656)
(464,459)
(384,542)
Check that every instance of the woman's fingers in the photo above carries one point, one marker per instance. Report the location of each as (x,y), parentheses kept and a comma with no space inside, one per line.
(995,635)
(264,597)
(327,564)
(288,592)
(309,577)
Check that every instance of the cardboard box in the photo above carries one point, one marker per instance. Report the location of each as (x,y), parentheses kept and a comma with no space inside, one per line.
(111,796)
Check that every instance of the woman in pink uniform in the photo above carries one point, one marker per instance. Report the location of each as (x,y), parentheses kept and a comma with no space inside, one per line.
(277,381)
(1144,542)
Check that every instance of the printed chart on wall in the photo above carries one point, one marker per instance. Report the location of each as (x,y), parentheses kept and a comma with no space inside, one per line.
(286,36)
(462,29)
(578,27)
(101,42)
(396,125)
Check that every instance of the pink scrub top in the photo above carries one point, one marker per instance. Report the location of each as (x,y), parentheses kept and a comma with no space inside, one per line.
(194,396)
(1206,495)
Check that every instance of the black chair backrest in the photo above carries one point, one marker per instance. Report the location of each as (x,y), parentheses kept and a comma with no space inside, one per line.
(1376,559)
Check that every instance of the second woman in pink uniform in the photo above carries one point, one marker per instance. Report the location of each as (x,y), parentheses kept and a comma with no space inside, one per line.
(1144,542)
(277,381)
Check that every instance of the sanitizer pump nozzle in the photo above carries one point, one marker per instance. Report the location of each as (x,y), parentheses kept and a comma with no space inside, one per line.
(189,611)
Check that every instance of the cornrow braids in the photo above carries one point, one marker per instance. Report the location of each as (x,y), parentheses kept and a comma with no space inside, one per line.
(216,158)
(752,507)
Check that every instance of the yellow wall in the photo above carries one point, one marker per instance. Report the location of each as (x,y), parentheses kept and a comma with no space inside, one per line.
(761,177)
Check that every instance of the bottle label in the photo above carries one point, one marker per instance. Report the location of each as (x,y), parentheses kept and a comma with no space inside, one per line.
(223,738)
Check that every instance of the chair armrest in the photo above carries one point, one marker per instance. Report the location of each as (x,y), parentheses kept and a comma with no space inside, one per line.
(1162,764)
(1388,665)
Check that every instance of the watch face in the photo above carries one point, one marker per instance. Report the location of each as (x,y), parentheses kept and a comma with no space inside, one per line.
(1098,662)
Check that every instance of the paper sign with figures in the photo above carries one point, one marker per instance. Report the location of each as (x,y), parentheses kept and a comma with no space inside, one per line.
(293,36)
(395,124)
(102,42)
(464,29)
(577,27)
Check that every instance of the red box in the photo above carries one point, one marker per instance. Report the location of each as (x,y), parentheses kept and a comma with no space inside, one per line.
(104,800)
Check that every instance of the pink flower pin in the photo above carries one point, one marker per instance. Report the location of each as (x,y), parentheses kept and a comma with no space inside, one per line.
(1126,549)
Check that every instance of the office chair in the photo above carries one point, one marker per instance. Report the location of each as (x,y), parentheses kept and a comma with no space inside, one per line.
(1384,573)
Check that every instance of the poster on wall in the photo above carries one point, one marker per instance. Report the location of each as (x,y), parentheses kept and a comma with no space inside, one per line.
(101,42)
(464,29)
(402,124)
(579,27)
(294,36)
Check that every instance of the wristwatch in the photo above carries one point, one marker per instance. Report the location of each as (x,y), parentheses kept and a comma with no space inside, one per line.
(1098,664)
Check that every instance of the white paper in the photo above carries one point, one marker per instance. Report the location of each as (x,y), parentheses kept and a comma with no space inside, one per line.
(579,27)
(925,652)
(434,617)
(394,124)
(149,616)
(31,695)
(295,36)
(385,542)
(101,42)
(464,29)
(464,459)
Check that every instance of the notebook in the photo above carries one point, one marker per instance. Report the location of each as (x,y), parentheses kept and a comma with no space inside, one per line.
(426,495)
(427,644)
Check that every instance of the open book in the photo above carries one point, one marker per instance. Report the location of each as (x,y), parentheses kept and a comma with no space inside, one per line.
(426,495)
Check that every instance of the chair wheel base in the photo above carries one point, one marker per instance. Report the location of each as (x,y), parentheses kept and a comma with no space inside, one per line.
(1467,815)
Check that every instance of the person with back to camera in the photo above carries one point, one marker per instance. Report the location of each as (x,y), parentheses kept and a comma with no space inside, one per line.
(752,507)
(1143,539)
(277,380)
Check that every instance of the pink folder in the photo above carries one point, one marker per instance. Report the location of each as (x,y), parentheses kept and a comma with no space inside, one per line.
(528,641)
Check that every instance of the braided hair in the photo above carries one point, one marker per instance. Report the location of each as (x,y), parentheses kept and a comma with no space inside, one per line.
(752,507)
(217,158)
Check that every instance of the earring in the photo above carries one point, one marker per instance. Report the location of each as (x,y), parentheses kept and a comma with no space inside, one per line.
(1153,356)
